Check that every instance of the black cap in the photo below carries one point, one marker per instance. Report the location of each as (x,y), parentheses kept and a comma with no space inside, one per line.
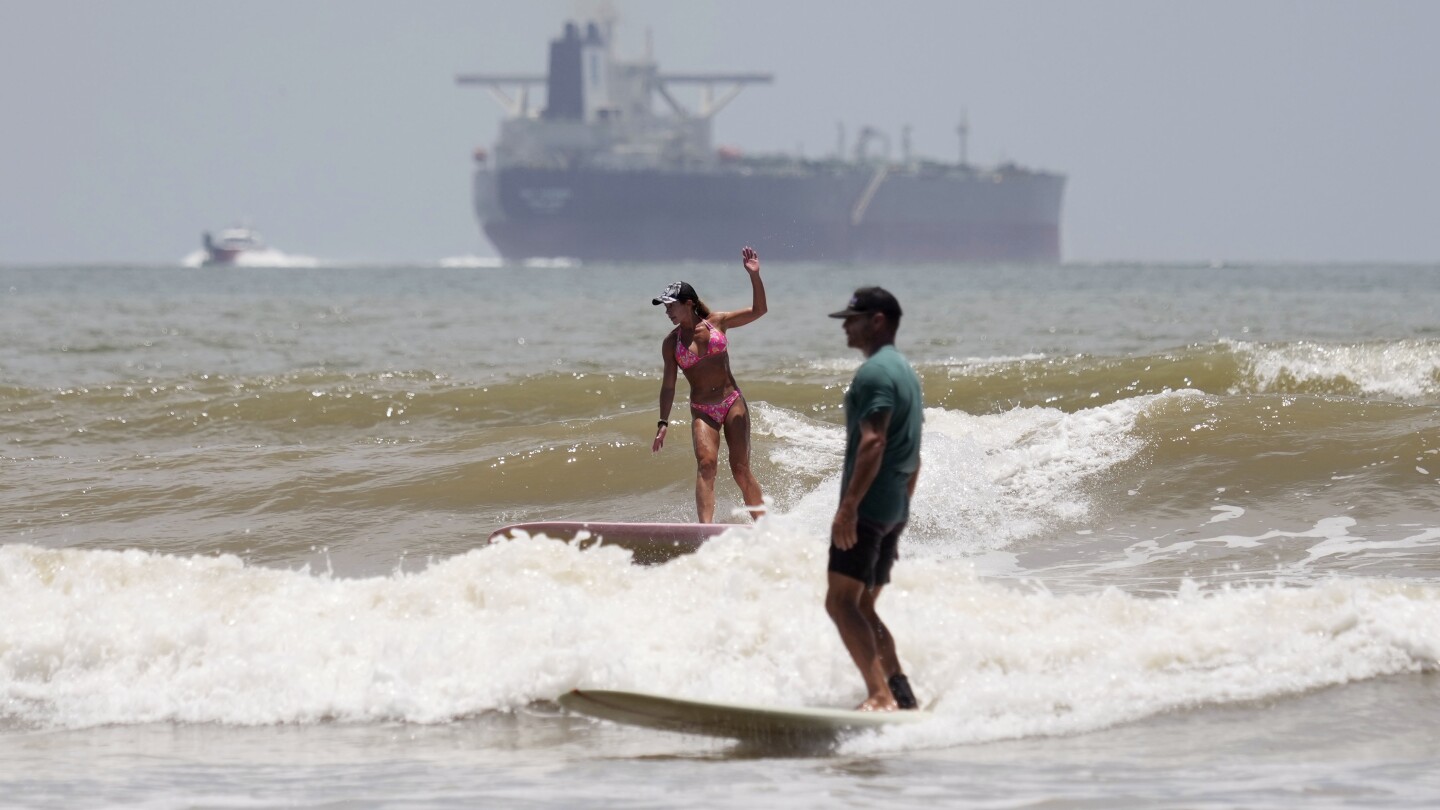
(871,299)
(677,291)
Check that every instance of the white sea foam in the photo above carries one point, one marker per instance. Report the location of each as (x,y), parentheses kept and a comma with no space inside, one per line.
(472,261)
(964,366)
(953,366)
(987,480)
(100,637)
(553,261)
(1011,663)
(1296,552)
(1227,512)
(806,446)
(269,257)
(1402,369)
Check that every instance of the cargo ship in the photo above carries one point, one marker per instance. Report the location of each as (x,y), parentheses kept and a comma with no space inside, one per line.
(601,172)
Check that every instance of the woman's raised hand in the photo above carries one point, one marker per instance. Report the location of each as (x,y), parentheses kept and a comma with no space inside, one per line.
(751,259)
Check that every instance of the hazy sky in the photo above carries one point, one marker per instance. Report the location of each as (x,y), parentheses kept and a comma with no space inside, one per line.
(1244,130)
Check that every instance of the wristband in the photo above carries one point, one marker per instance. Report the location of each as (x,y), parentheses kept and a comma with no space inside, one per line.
(662,423)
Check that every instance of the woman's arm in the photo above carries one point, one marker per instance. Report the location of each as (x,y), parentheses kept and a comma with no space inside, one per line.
(740,317)
(667,392)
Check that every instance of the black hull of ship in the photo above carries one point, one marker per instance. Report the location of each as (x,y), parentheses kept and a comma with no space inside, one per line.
(845,215)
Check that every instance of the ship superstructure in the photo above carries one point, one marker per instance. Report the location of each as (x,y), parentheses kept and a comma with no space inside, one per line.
(603,172)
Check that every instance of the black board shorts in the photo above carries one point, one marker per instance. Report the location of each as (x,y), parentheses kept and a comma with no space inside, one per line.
(877,547)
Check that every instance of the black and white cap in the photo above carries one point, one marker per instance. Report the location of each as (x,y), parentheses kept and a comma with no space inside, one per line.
(677,291)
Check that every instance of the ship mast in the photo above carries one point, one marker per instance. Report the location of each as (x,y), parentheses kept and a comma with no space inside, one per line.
(963,130)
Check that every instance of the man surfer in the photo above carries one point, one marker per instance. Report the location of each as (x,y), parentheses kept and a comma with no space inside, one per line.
(883,414)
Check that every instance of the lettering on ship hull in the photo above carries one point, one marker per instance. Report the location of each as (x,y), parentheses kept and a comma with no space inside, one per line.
(545,200)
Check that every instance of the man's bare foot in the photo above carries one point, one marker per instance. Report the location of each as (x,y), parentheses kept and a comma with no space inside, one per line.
(882,703)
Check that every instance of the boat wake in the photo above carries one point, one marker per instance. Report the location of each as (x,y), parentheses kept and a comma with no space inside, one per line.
(268,257)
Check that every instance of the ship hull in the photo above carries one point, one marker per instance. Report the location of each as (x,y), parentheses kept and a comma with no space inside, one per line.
(839,215)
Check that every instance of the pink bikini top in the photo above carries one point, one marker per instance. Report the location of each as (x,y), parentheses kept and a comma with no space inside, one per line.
(686,358)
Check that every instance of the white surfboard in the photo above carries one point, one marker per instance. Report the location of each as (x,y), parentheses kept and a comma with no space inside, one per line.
(651,542)
(735,721)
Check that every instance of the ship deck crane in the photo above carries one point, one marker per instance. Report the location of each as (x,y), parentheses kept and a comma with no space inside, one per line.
(518,105)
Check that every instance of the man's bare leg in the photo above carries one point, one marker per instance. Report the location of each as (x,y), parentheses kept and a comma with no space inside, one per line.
(884,642)
(843,602)
(889,660)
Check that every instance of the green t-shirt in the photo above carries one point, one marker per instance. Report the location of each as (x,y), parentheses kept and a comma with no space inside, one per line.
(885,381)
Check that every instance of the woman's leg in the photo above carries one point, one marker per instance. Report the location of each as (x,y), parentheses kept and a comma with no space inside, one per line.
(707,452)
(737,441)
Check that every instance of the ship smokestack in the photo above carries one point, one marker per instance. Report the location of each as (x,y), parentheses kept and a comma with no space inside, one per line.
(565,87)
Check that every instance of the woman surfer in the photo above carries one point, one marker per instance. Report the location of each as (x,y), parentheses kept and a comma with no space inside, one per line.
(698,346)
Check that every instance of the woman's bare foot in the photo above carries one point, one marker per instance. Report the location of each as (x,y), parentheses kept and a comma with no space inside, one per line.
(878,703)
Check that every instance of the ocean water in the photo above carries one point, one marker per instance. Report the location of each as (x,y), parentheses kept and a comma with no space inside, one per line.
(1176,541)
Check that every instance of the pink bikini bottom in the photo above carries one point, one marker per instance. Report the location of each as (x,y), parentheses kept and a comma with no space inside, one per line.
(717,411)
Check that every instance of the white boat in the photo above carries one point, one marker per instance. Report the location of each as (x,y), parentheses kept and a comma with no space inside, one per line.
(230,243)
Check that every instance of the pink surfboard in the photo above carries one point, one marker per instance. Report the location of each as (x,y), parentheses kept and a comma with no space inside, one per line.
(651,543)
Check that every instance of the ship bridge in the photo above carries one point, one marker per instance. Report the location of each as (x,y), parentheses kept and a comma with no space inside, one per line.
(600,110)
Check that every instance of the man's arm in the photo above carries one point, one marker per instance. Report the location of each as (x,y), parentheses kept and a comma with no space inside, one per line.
(867,466)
